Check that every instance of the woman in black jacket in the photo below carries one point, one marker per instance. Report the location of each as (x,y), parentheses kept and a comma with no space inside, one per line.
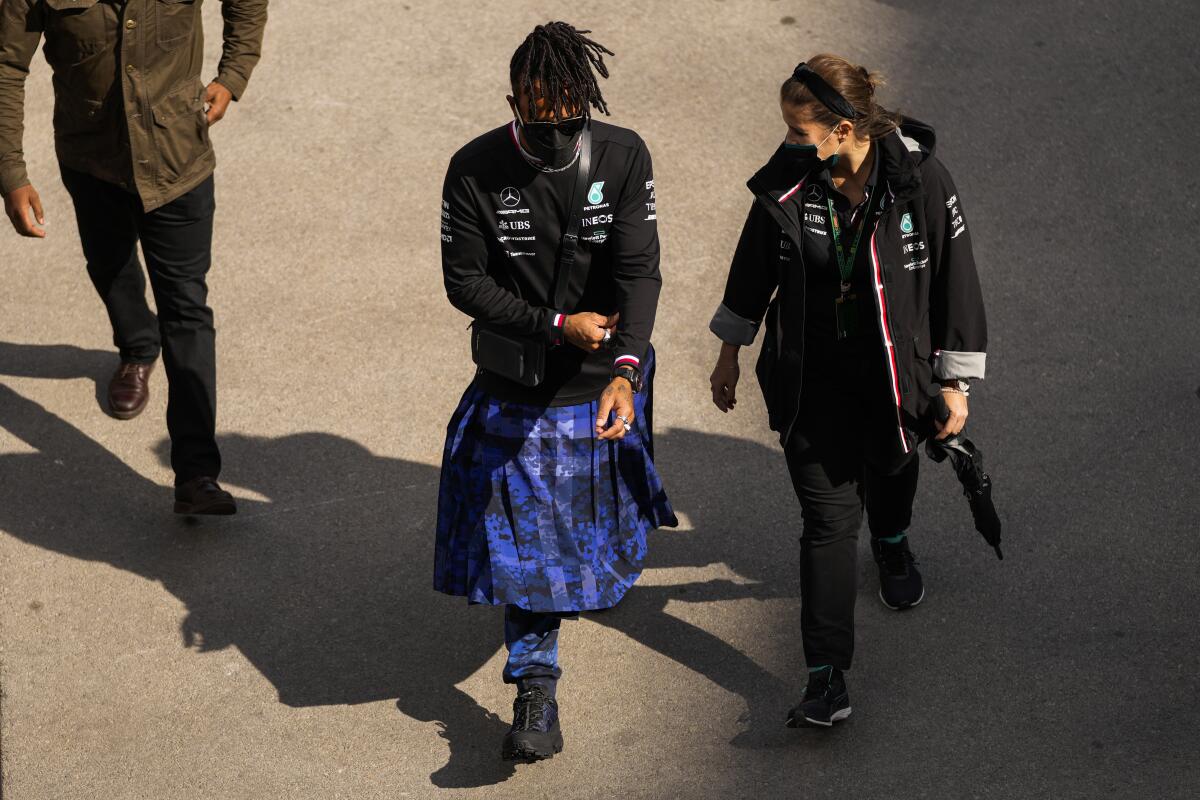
(857,254)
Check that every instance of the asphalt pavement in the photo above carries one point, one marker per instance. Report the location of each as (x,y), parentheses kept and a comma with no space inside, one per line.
(297,649)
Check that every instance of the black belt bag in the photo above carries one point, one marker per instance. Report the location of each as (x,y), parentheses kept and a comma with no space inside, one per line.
(522,357)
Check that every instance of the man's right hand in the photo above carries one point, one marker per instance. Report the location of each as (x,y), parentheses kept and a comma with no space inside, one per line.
(24,210)
(586,330)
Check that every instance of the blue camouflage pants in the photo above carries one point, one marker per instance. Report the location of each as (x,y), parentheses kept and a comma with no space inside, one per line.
(532,641)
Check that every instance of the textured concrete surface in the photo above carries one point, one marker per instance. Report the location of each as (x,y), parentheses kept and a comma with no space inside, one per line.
(297,651)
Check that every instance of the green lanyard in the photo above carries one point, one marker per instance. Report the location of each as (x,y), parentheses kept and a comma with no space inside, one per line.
(846,260)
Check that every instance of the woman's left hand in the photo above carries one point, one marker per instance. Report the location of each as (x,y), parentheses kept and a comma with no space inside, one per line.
(957,403)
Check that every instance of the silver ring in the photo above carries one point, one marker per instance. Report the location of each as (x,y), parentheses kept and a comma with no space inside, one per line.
(607,335)
(623,420)
(628,427)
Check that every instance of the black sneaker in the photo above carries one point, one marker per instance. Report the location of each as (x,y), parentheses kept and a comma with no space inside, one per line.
(900,584)
(534,734)
(825,702)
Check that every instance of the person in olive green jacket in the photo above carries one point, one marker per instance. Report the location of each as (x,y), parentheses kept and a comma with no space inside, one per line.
(131,120)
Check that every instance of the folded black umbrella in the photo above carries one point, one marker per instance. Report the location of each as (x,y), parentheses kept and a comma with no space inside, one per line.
(967,460)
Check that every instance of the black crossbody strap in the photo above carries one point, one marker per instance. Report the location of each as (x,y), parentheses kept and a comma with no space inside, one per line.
(570,241)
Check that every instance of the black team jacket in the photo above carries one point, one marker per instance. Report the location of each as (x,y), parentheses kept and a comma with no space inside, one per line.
(502,228)
(928,307)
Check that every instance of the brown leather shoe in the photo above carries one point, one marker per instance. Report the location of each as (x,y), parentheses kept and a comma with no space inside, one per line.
(203,496)
(129,390)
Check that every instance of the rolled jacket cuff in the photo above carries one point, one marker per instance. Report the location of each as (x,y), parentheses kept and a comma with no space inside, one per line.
(12,177)
(234,83)
(956,365)
(731,328)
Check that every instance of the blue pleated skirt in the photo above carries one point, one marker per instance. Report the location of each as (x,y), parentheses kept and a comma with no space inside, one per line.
(536,512)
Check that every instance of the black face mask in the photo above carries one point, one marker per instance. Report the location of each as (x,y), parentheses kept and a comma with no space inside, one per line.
(553,143)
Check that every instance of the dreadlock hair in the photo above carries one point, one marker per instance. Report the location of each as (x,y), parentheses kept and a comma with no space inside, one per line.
(564,63)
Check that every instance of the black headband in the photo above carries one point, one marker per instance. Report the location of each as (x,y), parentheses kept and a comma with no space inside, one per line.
(829,97)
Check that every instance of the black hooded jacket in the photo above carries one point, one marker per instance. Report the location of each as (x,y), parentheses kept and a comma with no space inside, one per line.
(928,306)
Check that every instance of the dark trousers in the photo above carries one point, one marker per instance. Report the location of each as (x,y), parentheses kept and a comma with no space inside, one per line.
(176,240)
(843,456)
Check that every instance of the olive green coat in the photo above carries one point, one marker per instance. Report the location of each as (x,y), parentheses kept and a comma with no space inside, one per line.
(128,97)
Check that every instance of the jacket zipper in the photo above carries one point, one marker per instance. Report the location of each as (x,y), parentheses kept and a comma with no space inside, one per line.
(885,328)
(798,249)
(803,343)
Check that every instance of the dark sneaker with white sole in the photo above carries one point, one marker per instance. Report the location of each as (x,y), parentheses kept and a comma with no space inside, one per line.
(535,734)
(203,496)
(900,584)
(825,702)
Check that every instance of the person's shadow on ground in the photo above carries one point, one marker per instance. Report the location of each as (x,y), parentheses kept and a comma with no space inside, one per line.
(326,586)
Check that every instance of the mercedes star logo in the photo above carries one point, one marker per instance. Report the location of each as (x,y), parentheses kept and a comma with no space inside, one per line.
(510,197)
(814,193)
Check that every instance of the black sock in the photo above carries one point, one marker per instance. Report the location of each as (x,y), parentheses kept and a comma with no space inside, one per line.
(548,685)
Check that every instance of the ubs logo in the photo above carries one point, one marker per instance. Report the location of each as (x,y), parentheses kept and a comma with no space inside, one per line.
(510,196)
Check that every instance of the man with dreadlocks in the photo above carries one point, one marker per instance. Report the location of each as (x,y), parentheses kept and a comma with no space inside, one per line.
(548,489)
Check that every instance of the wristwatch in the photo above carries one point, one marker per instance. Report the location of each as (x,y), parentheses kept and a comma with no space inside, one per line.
(959,385)
(631,374)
